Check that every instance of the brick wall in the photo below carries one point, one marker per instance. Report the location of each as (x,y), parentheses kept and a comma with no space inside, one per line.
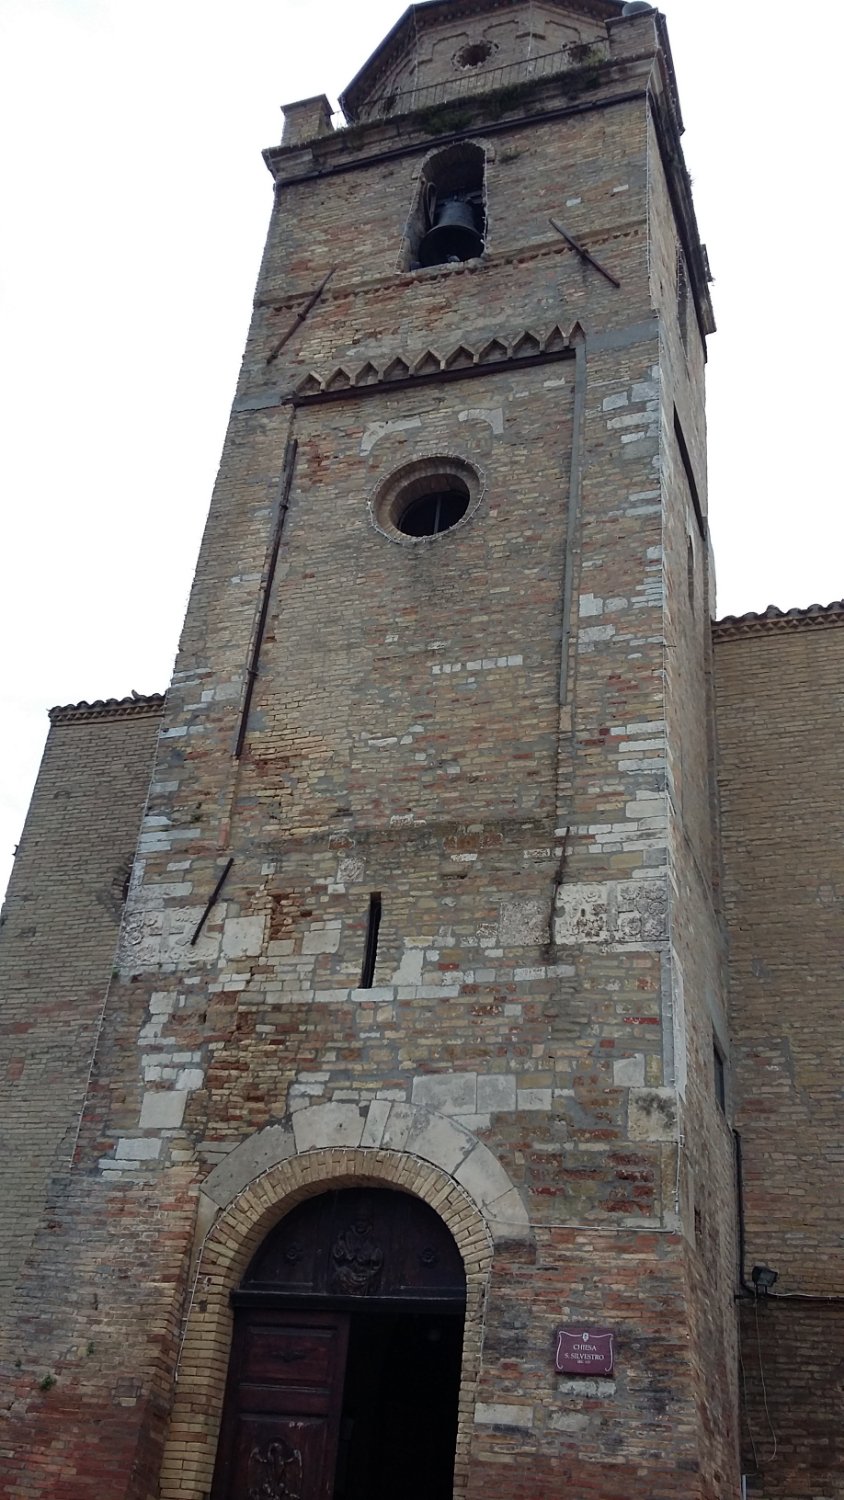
(57,945)
(478,727)
(780,721)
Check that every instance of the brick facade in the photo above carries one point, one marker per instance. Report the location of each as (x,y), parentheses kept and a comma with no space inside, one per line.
(780,722)
(59,934)
(505,734)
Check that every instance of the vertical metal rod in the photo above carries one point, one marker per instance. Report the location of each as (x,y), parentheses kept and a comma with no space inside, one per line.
(261,625)
(573,522)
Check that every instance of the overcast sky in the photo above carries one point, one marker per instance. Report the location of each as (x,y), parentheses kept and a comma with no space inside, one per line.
(135,204)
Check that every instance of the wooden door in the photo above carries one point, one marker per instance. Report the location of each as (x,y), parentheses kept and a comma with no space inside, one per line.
(283,1403)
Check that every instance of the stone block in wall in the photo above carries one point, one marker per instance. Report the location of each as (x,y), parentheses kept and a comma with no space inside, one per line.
(652,1114)
(615,911)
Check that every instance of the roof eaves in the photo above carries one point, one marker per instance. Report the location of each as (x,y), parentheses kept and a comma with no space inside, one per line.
(136,705)
(774,620)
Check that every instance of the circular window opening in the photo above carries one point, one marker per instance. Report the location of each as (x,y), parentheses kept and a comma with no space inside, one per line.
(439,511)
(426,498)
(474,54)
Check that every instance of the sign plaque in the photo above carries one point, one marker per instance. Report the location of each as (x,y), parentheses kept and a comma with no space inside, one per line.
(584,1351)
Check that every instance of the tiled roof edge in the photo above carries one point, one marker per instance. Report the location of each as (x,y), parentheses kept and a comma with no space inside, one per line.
(137,705)
(774,620)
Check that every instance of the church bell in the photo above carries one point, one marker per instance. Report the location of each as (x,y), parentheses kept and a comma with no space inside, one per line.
(454,235)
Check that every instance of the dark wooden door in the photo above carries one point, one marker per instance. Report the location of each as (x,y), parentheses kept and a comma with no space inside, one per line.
(348,1324)
(283,1403)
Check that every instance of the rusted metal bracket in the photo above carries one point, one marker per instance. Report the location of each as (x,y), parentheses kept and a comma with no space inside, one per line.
(584,254)
(300,317)
(211,904)
(269,575)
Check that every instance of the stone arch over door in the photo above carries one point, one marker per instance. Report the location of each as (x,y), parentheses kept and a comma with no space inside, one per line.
(252,1211)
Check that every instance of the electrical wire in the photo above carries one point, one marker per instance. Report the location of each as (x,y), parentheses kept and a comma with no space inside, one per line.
(762,1379)
(747,1409)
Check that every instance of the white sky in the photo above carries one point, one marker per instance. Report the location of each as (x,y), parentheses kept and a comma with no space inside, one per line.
(135,204)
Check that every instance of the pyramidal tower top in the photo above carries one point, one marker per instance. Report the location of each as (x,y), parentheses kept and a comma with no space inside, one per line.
(443,51)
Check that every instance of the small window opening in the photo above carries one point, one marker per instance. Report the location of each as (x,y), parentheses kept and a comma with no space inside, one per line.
(720,1076)
(439,511)
(370,952)
(448,224)
(474,54)
(426,498)
(683,298)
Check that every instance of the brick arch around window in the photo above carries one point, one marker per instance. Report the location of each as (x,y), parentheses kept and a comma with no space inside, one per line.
(478,1214)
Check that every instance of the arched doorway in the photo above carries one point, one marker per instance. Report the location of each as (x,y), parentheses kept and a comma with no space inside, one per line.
(345,1365)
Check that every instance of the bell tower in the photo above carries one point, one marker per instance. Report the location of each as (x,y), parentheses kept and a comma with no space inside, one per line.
(425,898)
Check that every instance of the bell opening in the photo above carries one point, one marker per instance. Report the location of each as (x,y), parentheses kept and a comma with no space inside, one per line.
(448,223)
(452,239)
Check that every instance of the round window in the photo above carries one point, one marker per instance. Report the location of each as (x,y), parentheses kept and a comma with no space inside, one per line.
(424,499)
(430,514)
(474,54)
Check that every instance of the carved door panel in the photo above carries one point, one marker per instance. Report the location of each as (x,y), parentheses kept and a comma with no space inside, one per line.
(282,1417)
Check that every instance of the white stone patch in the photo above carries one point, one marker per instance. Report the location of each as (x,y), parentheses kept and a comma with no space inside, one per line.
(190,1079)
(350,868)
(652,1115)
(529,1099)
(322,939)
(629,1072)
(616,912)
(590,605)
(522,922)
(612,403)
(591,634)
(678,1025)
(409,970)
(492,415)
(243,937)
(375,431)
(163,1109)
(376,1120)
(328,1125)
(632,419)
(501,1414)
(449,1093)
(161,1003)
(568,1421)
(161,938)
(580,1387)
(483,664)
(137,1149)
(496,1093)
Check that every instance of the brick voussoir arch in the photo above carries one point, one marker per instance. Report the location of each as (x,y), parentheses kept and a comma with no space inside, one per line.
(281,1177)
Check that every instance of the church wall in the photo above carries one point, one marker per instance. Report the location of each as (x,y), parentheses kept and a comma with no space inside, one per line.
(781,761)
(522,996)
(57,946)
(695,977)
